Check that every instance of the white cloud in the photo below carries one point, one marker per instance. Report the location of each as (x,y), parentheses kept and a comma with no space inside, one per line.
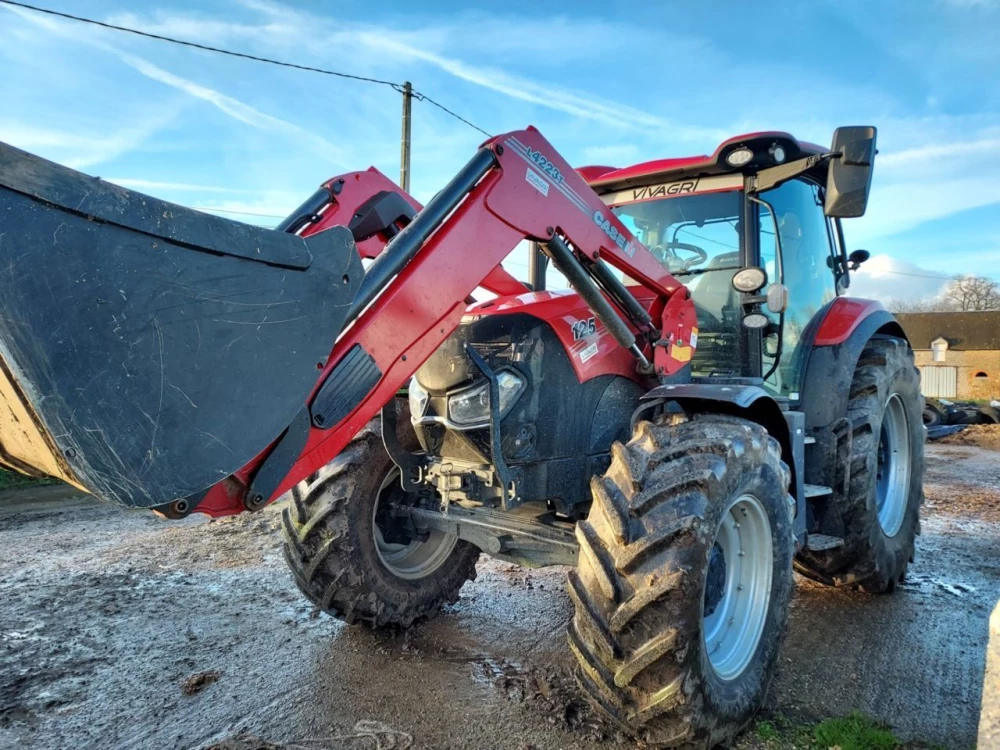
(896,207)
(886,278)
(229,105)
(80,147)
(290,29)
(982,148)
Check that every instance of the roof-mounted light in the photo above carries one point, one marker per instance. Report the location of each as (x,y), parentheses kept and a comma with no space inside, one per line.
(739,157)
(778,154)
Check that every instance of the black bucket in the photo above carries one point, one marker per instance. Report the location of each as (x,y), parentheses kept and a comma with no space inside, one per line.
(149,350)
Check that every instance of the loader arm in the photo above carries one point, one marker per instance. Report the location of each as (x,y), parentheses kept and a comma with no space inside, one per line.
(414,294)
(375,209)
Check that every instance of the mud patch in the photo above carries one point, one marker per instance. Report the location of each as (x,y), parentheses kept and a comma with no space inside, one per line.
(383,736)
(962,481)
(550,693)
(104,614)
(978,435)
(199,681)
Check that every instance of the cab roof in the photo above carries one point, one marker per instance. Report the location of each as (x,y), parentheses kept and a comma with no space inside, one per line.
(603,178)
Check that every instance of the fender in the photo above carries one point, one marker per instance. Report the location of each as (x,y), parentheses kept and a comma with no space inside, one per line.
(754,403)
(750,402)
(846,326)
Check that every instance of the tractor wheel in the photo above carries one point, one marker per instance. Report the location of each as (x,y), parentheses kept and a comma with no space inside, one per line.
(881,508)
(685,573)
(352,560)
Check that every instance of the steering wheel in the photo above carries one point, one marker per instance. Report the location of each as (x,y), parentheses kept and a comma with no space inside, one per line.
(668,253)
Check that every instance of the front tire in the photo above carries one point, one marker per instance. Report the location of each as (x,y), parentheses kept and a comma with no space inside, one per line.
(676,644)
(348,558)
(880,510)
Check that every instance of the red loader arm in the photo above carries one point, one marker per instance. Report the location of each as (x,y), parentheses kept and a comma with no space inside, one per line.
(414,294)
(342,201)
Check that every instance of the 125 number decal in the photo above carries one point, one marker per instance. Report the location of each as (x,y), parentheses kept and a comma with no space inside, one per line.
(584,328)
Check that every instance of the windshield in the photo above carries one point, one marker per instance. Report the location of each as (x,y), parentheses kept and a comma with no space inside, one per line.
(688,234)
(697,238)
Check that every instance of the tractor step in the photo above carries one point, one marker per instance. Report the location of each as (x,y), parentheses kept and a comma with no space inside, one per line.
(817,490)
(823,542)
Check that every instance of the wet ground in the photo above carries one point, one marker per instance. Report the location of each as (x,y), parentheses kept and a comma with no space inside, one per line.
(120,630)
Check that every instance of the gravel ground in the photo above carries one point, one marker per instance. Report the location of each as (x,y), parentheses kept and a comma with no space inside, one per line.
(121,630)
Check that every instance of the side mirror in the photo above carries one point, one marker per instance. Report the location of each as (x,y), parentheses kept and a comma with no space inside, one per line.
(850,177)
(856,258)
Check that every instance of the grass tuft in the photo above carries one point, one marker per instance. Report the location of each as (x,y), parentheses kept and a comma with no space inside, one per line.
(10,480)
(766,731)
(854,732)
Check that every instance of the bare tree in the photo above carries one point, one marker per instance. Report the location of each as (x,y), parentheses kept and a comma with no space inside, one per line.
(972,293)
(916,306)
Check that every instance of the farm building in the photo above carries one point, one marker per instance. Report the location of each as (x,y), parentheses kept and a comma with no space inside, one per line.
(958,353)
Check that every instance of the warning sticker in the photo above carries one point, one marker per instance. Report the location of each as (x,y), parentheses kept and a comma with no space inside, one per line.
(536,181)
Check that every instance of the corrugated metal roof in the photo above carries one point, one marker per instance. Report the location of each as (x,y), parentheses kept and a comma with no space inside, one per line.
(964,331)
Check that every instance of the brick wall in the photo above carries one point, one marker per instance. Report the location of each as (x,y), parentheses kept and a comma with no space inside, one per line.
(969,363)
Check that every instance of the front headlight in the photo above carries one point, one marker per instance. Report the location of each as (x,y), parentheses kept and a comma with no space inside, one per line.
(471,407)
(418,400)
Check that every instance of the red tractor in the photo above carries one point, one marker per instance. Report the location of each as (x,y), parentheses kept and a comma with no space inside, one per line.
(701,415)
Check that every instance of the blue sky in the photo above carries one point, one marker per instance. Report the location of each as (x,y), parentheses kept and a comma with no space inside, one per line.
(611,83)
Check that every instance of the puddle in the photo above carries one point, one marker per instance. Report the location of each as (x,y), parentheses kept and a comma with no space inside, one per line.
(925,583)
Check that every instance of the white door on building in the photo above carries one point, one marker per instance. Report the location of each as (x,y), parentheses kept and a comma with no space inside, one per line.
(939,382)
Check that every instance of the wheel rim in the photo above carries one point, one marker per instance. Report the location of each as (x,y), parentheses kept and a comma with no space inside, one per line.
(892,486)
(415,559)
(738,587)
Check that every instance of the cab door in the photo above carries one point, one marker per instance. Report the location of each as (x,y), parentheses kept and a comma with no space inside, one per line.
(805,266)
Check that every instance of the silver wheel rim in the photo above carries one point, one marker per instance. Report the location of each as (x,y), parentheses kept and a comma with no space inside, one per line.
(892,485)
(735,608)
(416,559)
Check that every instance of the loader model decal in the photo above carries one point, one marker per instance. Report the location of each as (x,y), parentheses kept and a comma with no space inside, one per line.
(549,171)
(545,165)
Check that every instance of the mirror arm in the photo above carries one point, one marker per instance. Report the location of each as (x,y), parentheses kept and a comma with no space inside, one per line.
(771,177)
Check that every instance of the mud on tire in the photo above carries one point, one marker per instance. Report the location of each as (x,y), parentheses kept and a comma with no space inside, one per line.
(872,559)
(640,587)
(331,548)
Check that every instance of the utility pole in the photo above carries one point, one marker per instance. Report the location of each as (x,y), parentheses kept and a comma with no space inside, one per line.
(404,157)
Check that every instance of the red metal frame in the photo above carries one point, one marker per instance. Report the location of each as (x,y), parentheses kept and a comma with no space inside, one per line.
(531,193)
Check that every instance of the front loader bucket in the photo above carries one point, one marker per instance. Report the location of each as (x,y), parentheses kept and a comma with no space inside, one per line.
(147,350)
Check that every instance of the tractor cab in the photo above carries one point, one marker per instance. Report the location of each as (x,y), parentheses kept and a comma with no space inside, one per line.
(761,260)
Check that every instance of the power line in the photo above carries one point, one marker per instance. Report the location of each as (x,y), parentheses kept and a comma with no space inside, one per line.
(425,98)
(270,61)
(917,275)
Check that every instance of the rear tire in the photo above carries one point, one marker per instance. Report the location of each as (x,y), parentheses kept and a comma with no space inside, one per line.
(648,588)
(881,508)
(339,556)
